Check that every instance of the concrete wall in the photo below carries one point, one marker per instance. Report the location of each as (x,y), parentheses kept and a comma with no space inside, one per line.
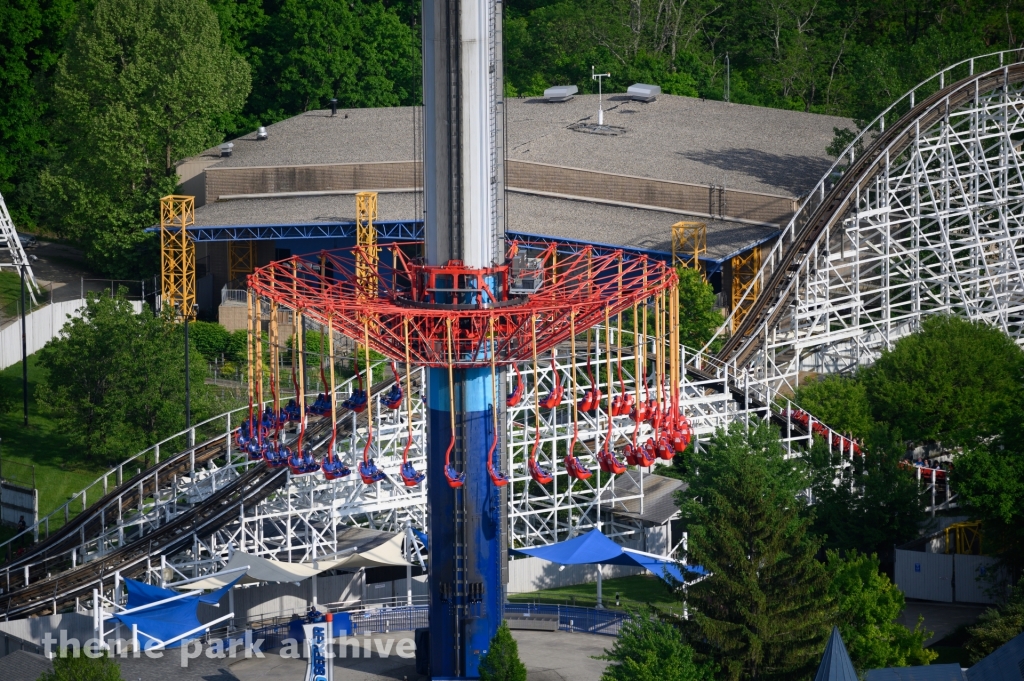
(533,574)
(539,178)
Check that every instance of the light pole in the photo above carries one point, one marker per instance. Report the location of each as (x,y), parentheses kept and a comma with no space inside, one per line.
(24,348)
(727,75)
(188,383)
(600,107)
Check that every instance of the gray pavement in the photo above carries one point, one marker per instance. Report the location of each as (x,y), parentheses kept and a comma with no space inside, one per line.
(549,656)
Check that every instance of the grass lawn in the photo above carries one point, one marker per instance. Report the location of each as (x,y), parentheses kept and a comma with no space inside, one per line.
(633,592)
(58,472)
(10,294)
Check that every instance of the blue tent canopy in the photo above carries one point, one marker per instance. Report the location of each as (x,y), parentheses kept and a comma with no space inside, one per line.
(168,620)
(595,548)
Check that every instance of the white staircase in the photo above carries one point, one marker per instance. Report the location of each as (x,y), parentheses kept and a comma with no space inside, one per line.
(12,255)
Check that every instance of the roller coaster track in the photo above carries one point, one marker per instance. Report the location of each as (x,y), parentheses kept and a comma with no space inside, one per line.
(134,558)
(59,552)
(927,219)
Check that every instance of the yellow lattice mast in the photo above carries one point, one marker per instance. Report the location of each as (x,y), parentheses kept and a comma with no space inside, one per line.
(177,255)
(366,239)
(241,259)
(689,239)
(744,277)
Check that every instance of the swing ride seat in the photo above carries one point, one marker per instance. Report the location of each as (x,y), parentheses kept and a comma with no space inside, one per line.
(608,463)
(626,407)
(616,406)
(356,401)
(410,476)
(254,450)
(517,392)
(277,456)
(304,464)
(393,398)
(682,435)
(335,468)
(369,472)
(321,406)
(455,478)
(291,411)
(591,399)
(497,477)
(664,448)
(647,454)
(538,473)
(639,413)
(554,398)
(576,468)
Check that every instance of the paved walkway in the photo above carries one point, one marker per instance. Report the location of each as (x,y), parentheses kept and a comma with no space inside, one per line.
(549,656)
(940,618)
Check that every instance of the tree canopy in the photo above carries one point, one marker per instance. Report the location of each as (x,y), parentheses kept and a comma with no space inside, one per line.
(116,379)
(868,607)
(142,84)
(649,649)
(698,318)
(764,611)
(953,382)
(840,401)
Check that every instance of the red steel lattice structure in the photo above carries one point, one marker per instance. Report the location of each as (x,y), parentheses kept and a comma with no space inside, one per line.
(421,303)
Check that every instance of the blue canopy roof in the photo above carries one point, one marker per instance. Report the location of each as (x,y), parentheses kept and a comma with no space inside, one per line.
(595,548)
(168,620)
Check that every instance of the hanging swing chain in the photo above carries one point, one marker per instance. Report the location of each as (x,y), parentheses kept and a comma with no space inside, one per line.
(451,392)
(369,398)
(258,363)
(302,382)
(248,350)
(608,370)
(575,404)
(330,388)
(408,388)
(494,401)
(536,386)
(640,341)
(275,375)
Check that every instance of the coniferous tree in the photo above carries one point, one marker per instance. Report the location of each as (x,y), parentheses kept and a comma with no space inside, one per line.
(502,663)
(764,610)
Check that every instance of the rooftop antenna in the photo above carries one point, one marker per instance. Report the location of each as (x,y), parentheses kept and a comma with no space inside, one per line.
(727,74)
(600,108)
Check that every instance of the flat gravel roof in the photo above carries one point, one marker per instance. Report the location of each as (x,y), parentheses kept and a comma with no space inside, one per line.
(683,139)
(564,218)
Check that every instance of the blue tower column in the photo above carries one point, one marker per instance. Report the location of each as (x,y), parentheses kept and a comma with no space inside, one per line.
(466,526)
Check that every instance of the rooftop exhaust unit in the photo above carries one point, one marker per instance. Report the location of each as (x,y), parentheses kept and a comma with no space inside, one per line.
(560,93)
(261,133)
(643,93)
(334,107)
(225,149)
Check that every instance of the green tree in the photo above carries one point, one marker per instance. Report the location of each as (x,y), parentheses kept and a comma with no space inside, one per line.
(839,401)
(953,382)
(990,483)
(116,379)
(142,84)
(868,607)
(869,503)
(501,662)
(998,625)
(648,649)
(82,668)
(210,339)
(698,318)
(764,611)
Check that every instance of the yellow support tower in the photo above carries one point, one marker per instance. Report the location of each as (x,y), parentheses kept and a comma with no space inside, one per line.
(966,538)
(744,277)
(689,238)
(177,255)
(241,259)
(366,238)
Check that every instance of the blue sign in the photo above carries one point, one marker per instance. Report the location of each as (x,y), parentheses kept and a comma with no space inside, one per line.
(917,567)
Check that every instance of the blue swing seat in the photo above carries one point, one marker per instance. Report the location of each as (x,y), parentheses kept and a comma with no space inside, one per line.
(369,472)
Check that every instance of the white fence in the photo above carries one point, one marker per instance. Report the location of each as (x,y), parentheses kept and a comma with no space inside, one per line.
(40,326)
(948,577)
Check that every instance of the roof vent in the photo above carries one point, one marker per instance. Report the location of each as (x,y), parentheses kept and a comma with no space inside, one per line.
(225,149)
(560,93)
(261,133)
(643,93)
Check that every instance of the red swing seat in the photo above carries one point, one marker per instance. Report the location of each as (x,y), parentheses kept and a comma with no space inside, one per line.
(538,473)
(576,468)
(608,463)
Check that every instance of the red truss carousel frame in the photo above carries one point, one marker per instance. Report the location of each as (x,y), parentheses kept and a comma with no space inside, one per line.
(443,314)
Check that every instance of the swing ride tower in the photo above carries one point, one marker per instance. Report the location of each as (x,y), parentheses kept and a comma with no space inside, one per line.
(469,307)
